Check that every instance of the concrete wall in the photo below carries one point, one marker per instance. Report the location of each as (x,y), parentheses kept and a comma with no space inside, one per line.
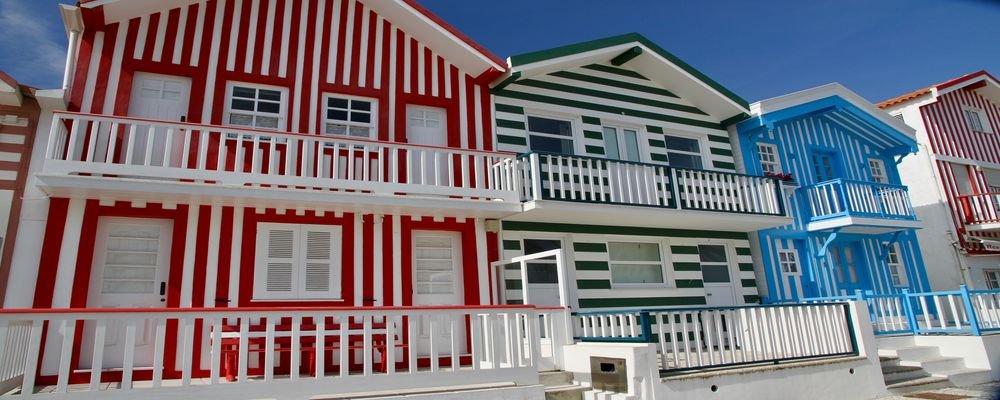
(979,352)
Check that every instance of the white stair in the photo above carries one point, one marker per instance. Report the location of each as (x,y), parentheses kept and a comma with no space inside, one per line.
(559,385)
(909,368)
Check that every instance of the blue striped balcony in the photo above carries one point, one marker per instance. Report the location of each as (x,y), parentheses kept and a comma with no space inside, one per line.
(859,207)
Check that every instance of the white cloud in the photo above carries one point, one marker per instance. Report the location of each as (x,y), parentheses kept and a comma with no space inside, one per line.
(34,52)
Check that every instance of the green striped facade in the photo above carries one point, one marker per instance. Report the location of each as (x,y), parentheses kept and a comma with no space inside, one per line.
(589,266)
(598,95)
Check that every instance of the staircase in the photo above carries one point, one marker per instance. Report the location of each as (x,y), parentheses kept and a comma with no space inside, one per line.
(559,385)
(909,368)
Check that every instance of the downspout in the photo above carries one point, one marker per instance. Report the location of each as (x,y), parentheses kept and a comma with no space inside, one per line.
(73,22)
(71,50)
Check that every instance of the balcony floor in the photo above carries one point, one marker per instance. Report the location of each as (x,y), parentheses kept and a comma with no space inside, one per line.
(555,211)
(867,226)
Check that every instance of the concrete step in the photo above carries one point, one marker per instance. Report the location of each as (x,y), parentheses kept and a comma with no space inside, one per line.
(605,395)
(894,342)
(888,361)
(899,373)
(913,353)
(565,392)
(555,378)
(966,376)
(937,364)
(917,385)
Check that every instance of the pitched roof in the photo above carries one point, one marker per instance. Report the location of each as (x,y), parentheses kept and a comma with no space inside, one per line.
(953,84)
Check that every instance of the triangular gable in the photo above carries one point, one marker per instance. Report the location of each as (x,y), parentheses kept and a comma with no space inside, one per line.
(636,53)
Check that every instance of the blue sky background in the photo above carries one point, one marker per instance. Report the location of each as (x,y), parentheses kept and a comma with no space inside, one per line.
(758,49)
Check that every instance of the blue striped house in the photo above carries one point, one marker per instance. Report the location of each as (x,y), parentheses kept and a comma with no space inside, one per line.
(853,224)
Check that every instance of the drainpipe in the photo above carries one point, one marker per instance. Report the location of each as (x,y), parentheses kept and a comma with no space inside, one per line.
(73,22)
(74,36)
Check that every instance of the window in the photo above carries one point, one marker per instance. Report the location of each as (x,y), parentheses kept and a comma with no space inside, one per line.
(824,166)
(992,279)
(877,168)
(621,143)
(975,120)
(897,271)
(297,261)
(635,263)
(550,135)
(714,264)
(542,270)
(683,152)
(789,261)
(349,116)
(255,106)
(424,118)
(843,264)
(768,154)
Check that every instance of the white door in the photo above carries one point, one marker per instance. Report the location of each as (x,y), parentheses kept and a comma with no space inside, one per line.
(427,126)
(717,275)
(130,268)
(160,97)
(543,276)
(437,280)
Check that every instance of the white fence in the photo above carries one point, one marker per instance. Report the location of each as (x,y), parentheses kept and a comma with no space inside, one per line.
(160,150)
(840,197)
(138,351)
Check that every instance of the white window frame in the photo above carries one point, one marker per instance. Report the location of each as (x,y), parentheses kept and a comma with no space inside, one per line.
(968,112)
(298,292)
(372,124)
(784,265)
(775,164)
(897,270)
(661,245)
(992,283)
(881,165)
(620,136)
(574,124)
(283,107)
(702,147)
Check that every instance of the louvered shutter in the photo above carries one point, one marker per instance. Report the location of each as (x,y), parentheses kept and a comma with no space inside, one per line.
(277,259)
(320,263)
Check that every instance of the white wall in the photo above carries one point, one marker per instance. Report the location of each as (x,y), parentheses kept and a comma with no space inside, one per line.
(979,352)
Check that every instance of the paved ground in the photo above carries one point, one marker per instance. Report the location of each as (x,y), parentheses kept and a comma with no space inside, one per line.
(990,391)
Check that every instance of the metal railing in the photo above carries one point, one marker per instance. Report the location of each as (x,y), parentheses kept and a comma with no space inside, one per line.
(841,197)
(711,337)
(982,208)
(546,176)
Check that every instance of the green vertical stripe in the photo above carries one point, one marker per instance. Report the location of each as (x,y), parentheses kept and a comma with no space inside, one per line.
(512,245)
(591,247)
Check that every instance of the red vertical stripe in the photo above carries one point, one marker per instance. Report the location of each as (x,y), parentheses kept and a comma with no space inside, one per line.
(173,19)
(104,69)
(243,34)
(487,115)
(367,260)
(341,40)
(151,31)
(261,32)
(279,31)
(388,280)
(225,258)
(372,49)
(48,263)
(84,53)
(356,44)
(470,109)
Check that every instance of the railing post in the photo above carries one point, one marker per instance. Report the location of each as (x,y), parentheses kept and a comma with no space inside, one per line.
(647,327)
(675,190)
(535,169)
(970,310)
(911,317)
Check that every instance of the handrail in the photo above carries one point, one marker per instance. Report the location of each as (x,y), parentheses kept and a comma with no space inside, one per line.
(842,197)
(19,311)
(980,208)
(640,163)
(855,181)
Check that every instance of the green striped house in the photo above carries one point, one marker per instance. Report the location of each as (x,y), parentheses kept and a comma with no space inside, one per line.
(631,234)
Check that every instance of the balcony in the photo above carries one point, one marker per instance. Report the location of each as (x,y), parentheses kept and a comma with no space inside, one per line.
(587,190)
(129,159)
(859,207)
(980,212)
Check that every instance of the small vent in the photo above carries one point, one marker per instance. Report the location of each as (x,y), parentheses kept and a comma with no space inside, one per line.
(317,277)
(318,245)
(281,243)
(279,277)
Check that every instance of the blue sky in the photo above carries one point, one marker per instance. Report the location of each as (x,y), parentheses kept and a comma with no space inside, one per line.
(758,49)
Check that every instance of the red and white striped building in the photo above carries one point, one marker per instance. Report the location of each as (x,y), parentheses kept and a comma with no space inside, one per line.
(955,178)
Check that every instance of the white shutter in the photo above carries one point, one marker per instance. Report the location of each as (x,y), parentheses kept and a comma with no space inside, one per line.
(277,257)
(320,263)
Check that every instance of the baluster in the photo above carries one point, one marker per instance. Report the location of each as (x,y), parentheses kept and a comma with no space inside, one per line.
(98,358)
(242,358)
(366,326)
(269,329)
(344,342)
(411,324)
(216,352)
(159,348)
(187,351)
(319,348)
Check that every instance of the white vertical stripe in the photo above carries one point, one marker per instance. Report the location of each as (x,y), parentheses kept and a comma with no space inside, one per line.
(348,42)
(482,259)
(179,37)
(234,34)
(252,35)
(331,57)
(187,272)
(363,51)
(213,62)
(377,260)
(434,75)
(480,120)
(212,264)
(198,32)
(116,67)
(397,258)
(92,78)
(463,113)
(286,28)
(300,66)
(491,121)
(314,92)
(161,36)
(359,265)
(377,68)
(68,250)
(447,79)
(234,258)
(406,64)
(140,39)
(265,63)
(392,85)
(421,68)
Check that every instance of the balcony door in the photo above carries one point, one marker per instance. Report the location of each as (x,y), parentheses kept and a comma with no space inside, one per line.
(427,126)
(825,166)
(847,262)
(159,97)
(129,270)
(717,275)
(437,281)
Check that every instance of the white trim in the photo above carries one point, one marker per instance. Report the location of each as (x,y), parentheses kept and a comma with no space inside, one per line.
(482,259)
(187,270)
(212,264)
(359,262)
(640,134)
(397,260)
(372,124)
(282,111)
(795,260)
(378,251)
(881,165)
(760,160)
(234,260)
(576,124)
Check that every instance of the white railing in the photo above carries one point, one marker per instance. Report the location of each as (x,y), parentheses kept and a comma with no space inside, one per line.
(13,353)
(987,308)
(595,180)
(336,350)
(841,197)
(689,339)
(943,312)
(98,145)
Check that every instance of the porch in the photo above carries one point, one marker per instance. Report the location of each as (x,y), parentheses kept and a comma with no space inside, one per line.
(859,207)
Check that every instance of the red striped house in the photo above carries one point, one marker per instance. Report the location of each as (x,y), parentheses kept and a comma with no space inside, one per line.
(956,171)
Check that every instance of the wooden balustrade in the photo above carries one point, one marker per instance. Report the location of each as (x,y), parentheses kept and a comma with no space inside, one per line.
(977,209)
(838,198)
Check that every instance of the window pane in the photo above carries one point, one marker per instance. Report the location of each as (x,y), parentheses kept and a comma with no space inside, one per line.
(361,105)
(336,129)
(636,273)
(712,253)
(623,251)
(684,160)
(682,144)
(715,273)
(631,145)
(245,105)
(336,102)
(551,126)
(542,273)
(362,117)
(244,92)
(267,122)
(611,143)
(532,246)
(550,145)
(272,95)
(336,115)
(360,131)
(241,119)
(272,108)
